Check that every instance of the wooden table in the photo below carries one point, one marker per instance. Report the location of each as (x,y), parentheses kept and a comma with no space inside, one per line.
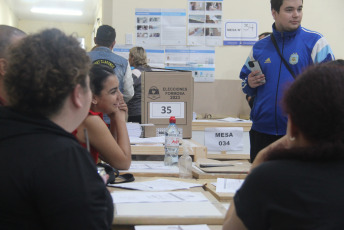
(198,127)
(214,221)
(198,150)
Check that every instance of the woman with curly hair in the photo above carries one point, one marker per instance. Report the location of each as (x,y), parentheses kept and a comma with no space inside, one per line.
(48,179)
(297,182)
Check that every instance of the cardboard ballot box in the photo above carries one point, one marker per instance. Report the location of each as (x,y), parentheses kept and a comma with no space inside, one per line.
(165,94)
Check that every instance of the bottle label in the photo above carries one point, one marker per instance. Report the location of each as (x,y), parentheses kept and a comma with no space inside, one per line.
(171,141)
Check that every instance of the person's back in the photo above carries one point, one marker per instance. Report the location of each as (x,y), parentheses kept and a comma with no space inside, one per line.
(138,60)
(105,40)
(291,194)
(49,179)
(297,182)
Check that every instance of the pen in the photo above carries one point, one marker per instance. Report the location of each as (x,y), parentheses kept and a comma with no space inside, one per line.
(87,140)
(210,165)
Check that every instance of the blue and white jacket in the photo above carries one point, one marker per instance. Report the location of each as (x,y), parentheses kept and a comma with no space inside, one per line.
(300,48)
(103,55)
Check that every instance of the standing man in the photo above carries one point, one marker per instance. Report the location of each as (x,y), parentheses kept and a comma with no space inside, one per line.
(300,48)
(8,35)
(102,53)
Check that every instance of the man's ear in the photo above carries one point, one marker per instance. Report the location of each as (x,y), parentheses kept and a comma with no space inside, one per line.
(77,95)
(113,45)
(3,65)
(274,13)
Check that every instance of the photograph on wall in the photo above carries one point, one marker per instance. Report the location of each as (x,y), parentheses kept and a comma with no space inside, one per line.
(205,23)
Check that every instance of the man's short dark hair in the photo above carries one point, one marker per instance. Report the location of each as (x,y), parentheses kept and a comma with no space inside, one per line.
(276,5)
(106,35)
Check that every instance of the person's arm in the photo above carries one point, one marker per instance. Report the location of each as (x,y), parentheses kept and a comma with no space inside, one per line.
(322,52)
(232,221)
(115,152)
(249,81)
(128,88)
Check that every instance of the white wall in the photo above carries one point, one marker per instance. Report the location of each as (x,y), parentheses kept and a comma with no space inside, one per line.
(320,15)
(6,15)
(78,29)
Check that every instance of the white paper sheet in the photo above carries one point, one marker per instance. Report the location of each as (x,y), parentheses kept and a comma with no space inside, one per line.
(150,167)
(173,227)
(157,185)
(228,185)
(156,197)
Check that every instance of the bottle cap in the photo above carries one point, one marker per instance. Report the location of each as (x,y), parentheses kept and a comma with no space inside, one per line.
(172,119)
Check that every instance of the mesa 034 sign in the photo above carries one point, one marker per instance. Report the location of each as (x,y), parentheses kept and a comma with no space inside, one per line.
(224,138)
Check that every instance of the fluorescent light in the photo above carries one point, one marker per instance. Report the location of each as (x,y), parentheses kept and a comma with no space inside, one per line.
(55,11)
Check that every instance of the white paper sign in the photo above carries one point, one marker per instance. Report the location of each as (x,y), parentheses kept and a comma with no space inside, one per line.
(166,109)
(224,138)
(240,32)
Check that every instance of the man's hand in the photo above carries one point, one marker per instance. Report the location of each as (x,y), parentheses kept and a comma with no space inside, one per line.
(254,80)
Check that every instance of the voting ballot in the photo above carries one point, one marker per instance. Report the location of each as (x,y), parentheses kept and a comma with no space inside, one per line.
(166,94)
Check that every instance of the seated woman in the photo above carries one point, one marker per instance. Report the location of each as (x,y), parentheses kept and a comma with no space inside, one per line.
(48,180)
(297,182)
(112,145)
(138,60)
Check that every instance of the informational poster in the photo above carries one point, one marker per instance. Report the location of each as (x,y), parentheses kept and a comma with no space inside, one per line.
(199,60)
(156,26)
(205,22)
(240,32)
(155,55)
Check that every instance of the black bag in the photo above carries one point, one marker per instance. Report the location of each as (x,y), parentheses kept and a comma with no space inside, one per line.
(114,176)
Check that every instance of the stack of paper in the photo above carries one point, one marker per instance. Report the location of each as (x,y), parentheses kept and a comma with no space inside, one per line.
(173,227)
(157,185)
(134,129)
(228,185)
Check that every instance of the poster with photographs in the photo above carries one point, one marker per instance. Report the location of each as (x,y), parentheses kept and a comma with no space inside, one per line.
(205,22)
(199,60)
(160,26)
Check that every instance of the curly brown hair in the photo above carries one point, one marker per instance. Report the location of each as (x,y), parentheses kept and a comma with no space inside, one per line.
(315,104)
(43,70)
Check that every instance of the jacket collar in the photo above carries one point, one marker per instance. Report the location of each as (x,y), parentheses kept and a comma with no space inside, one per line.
(286,34)
(102,48)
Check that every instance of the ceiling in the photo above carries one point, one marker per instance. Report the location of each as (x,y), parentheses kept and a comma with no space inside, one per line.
(21,8)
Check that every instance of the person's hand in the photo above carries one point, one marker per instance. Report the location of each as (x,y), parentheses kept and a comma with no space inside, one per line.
(123,106)
(282,143)
(254,80)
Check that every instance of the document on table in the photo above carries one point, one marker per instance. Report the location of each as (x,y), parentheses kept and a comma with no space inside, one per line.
(228,185)
(150,167)
(157,197)
(149,140)
(157,185)
(173,227)
(232,119)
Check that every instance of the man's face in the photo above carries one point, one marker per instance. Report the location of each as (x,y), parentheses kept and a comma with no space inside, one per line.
(289,17)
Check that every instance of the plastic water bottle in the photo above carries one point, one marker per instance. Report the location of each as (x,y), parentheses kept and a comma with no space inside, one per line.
(171,143)
(185,163)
